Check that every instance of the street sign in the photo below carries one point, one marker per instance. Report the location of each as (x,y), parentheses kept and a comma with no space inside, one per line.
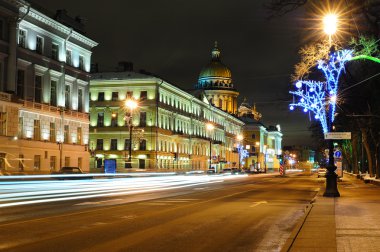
(338,135)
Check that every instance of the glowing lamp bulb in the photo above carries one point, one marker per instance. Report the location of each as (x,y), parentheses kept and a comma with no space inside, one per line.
(302,100)
(333,98)
(299,84)
(291,107)
(305,110)
(330,24)
(311,90)
(316,116)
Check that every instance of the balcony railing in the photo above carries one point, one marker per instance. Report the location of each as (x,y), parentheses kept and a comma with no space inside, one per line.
(49,108)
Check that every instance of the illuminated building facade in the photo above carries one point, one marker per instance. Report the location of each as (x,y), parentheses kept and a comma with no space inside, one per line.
(44,85)
(169,126)
(263,143)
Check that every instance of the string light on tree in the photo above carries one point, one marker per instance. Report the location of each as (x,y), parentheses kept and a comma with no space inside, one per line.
(316,96)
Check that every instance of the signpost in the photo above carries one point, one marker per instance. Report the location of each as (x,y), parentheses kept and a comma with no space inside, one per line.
(338,135)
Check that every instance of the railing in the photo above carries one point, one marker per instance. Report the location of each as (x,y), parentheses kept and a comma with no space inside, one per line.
(49,108)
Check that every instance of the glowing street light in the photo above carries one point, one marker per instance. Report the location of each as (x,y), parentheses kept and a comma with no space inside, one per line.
(330,24)
(210,128)
(131,105)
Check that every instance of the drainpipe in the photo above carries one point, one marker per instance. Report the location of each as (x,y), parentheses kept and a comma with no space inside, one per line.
(62,108)
(12,61)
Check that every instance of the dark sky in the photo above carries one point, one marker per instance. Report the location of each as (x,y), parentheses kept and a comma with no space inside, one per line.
(173,39)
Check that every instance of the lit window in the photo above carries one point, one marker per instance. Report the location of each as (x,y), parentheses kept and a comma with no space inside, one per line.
(39,44)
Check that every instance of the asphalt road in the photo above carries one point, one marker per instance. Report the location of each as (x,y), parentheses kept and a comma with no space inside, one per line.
(254,213)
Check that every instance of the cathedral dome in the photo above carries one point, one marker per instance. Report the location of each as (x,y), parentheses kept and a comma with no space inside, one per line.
(215,74)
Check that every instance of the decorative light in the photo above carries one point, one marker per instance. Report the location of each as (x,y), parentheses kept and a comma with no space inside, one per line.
(315,99)
(131,104)
(299,84)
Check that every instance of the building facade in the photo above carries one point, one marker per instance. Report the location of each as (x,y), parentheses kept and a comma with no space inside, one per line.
(264,144)
(169,126)
(44,85)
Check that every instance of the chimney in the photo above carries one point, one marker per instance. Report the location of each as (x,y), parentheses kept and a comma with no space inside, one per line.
(125,66)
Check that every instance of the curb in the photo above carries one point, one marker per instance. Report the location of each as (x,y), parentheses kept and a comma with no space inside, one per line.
(296,230)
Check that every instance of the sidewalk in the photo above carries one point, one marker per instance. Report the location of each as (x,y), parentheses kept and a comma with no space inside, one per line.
(348,223)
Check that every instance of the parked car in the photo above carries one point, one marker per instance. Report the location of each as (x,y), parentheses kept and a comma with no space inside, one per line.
(66,171)
(321,172)
(211,171)
(227,171)
(69,170)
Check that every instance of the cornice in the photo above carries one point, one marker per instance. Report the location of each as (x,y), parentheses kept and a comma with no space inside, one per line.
(57,26)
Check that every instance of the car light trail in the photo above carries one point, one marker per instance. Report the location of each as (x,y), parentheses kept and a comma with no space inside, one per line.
(16,193)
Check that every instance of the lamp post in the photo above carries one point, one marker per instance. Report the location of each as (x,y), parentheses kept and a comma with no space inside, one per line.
(330,23)
(239,138)
(265,158)
(210,127)
(131,105)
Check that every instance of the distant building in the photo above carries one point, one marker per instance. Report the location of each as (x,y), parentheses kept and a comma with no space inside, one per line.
(262,143)
(44,84)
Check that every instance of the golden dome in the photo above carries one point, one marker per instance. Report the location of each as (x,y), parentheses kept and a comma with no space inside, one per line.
(215,74)
(215,69)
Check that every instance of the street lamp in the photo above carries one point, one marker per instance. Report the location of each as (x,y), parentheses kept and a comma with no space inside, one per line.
(239,138)
(330,22)
(131,105)
(210,127)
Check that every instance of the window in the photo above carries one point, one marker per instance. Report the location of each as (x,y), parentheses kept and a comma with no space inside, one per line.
(37,162)
(115,96)
(37,88)
(100,119)
(253,149)
(142,119)
(39,44)
(53,93)
(20,127)
(54,51)
(129,94)
(126,144)
(53,162)
(80,100)
(20,83)
(1,29)
(37,130)
(99,144)
(67,161)
(52,132)
(114,119)
(143,95)
(81,62)
(79,135)
(142,144)
(101,96)
(66,134)
(69,59)
(3,123)
(80,162)
(253,136)
(21,37)
(113,144)
(67,96)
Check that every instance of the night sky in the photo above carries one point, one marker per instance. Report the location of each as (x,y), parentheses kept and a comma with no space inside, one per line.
(173,39)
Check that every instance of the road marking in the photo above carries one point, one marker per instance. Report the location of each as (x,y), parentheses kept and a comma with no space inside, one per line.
(96,202)
(258,203)
(154,204)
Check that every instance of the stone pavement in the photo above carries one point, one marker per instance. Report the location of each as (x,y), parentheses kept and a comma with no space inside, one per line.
(348,223)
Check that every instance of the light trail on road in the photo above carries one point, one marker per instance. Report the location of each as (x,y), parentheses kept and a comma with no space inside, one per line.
(16,193)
